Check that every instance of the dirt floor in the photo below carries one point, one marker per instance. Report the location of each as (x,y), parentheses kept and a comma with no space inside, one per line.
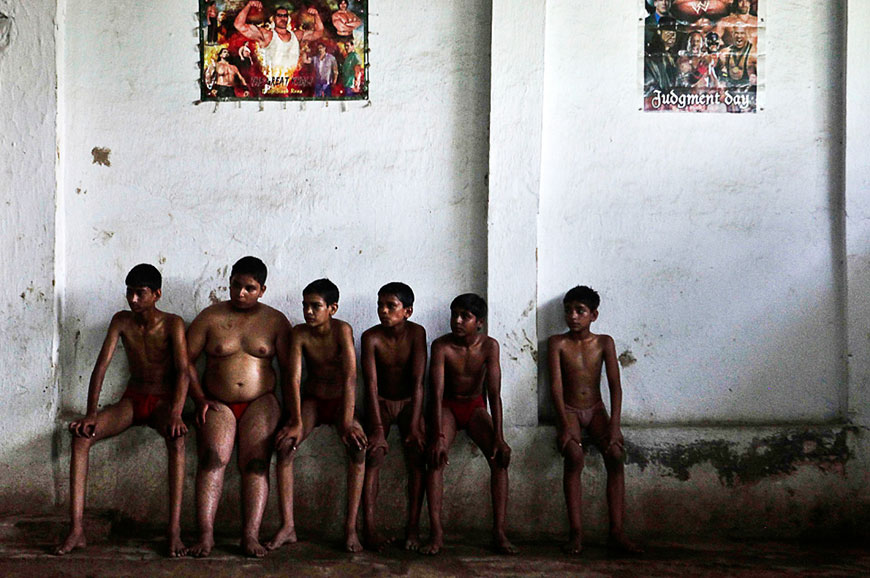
(122,549)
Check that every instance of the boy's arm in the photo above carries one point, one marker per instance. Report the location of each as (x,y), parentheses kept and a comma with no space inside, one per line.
(87,426)
(611,367)
(438,455)
(290,362)
(196,336)
(351,435)
(418,372)
(370,381)
(501,452)
(176,427)
(554,351)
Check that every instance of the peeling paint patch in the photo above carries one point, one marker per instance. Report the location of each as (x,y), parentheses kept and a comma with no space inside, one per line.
(101,156)
(766,457)
(104,236)
(5,31)
(627,358)
(213,296)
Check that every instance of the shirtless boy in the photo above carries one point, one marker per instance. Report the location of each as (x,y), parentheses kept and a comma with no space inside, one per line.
(240,338)
(393,363)
(326,346)
(157,355)
(464,368)
(575,360)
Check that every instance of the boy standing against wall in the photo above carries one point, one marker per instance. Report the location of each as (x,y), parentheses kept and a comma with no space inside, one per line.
(326,345)
(157,355)
(464,368)
(575,361)
(394,363)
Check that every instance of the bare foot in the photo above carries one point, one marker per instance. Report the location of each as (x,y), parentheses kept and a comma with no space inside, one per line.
(574,545)
(75,540)
(503,546)
(433,547)
(352,543)
(252,547)
(202,548)
(286,535)
(177,549)
(412,540)
(619,543)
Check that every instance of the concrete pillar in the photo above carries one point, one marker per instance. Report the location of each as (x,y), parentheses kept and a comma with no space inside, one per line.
(514,177)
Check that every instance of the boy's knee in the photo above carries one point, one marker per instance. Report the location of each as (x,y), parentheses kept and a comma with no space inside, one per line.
(574,457)
(175,444)
(614,460)
(376,458)
(210,459)
(256,466)
(357,456)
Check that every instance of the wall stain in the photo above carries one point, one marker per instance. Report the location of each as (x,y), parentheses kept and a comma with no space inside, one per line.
(766,457)
(101,156)
(213,295)
(627,358)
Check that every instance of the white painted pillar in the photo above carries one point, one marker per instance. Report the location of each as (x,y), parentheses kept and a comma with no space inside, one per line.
(28,103)
(514,178)
(858,209)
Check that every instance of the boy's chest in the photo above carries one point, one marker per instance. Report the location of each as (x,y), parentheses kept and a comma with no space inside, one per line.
(232,336)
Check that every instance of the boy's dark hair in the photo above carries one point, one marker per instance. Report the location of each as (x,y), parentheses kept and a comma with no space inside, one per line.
(585,295)
(471,302)
(250,266)
(323,287)
(404,293)
(144,275)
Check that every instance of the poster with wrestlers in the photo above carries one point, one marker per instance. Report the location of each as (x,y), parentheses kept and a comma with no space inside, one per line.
(701,55)
(283,49)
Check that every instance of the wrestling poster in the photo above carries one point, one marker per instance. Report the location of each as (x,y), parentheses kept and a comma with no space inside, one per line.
(701,55)
(283,49)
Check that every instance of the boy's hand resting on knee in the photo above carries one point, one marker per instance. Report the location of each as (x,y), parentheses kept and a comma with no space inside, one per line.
(287,438)
(501,453)
(416,440)
(378,441)
(438,454)
(85,427)
(354,437)
(564,439)
(615,443)
(202,407)
(176,427)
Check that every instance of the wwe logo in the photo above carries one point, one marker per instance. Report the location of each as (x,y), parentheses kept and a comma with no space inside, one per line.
(701,6)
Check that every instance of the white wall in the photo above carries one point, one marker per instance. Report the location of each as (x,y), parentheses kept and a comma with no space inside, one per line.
(27,185)
(710,237)
(391,191)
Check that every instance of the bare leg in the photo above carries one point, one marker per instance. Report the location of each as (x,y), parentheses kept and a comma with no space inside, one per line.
(175,454)
(175,448)
(416,487)
(110,422)
(371,537)
(287,533)
(613,462)
(571,481)
(215,440)
(416,468)
(256,430)
(481,430)
(356,471)
(435,489)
